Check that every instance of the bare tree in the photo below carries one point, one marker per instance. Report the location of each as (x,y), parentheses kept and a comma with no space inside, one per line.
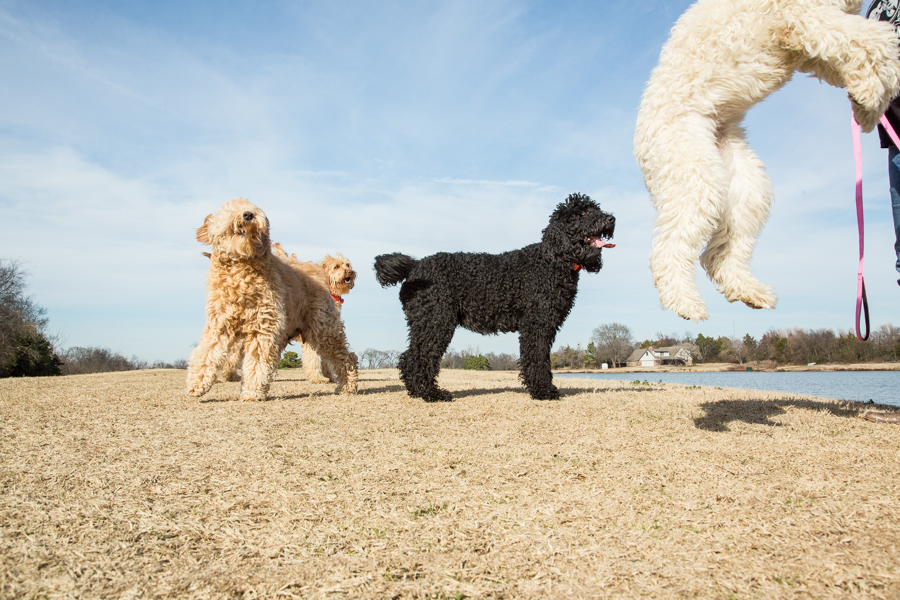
(567,357)
(368,358)
(663,340)
(163,364)
(15,308)
(391,359)
(614,342)
(502,362)
(453,359)
(821,344)
(691,348)
(887,339)
(736,350)
(79,361)
(378,359)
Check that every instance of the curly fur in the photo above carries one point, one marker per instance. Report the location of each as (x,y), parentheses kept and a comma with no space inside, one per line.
(340,278)
(256,302)
(530,291)
(708,187)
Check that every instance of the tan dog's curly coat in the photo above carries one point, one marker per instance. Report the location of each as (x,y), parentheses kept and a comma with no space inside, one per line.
(340,278)
(256,303)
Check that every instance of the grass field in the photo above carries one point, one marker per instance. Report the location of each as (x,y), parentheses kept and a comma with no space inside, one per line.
(120,486)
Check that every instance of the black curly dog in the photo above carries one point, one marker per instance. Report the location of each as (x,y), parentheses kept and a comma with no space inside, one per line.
(530,291)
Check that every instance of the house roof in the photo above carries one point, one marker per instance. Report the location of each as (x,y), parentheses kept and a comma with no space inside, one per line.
(637,354)
(640,352)
(673,350)
(669,349)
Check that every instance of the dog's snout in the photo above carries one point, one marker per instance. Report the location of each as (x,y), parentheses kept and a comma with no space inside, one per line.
(248,216)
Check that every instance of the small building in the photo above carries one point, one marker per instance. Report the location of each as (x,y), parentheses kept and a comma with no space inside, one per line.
(657,357)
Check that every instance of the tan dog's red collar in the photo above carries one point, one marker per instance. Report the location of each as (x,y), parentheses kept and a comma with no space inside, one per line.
(337,298)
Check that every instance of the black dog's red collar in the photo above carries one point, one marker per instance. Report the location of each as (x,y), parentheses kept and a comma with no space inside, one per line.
(337,299)
(576,267)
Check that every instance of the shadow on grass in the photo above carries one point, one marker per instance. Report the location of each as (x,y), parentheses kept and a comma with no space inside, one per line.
(519,389)
(574,391)
(274,398)
(760,412)
(207,400)
(487,391)
(387,389)
(456,393)
(616,390)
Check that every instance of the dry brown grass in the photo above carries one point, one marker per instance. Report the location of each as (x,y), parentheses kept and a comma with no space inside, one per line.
(120,486)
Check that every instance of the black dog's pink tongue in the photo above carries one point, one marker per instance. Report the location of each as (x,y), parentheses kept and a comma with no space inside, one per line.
(601,244)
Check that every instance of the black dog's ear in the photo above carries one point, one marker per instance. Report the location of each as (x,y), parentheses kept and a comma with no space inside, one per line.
(556,238)
(563,211)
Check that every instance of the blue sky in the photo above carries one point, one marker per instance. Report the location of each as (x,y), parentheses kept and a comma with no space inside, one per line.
(373,127)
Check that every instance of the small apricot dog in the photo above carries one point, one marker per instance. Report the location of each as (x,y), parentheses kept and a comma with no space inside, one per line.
(710,191)
(256,303)
(341,278)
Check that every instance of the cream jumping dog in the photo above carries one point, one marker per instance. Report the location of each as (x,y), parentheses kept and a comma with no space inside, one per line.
(708,187)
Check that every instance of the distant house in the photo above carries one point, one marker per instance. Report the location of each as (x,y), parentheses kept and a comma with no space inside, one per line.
(657,357)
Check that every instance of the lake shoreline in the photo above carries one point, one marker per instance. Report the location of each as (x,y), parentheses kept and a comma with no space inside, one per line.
(754,366)
(867,387)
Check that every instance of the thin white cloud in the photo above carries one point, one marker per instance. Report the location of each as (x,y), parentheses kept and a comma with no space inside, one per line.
(378,128)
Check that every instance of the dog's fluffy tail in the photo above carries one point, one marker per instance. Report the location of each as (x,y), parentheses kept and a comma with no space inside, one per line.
(391,269)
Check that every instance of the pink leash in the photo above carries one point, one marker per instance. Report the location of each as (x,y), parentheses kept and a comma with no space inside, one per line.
(862,302)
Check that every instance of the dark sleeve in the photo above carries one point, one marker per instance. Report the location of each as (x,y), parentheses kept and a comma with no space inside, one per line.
(893,116)
(885,8)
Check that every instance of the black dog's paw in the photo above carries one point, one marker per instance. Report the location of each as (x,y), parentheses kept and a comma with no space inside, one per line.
(437,395)
(551,393)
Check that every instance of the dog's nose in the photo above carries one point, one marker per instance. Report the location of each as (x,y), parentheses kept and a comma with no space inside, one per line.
(248,216)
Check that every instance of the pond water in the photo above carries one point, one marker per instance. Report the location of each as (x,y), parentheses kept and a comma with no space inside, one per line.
(882,387)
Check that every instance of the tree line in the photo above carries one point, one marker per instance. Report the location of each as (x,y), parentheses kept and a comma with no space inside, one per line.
(25,346)
(613,343)
(453,359)
(27,349)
